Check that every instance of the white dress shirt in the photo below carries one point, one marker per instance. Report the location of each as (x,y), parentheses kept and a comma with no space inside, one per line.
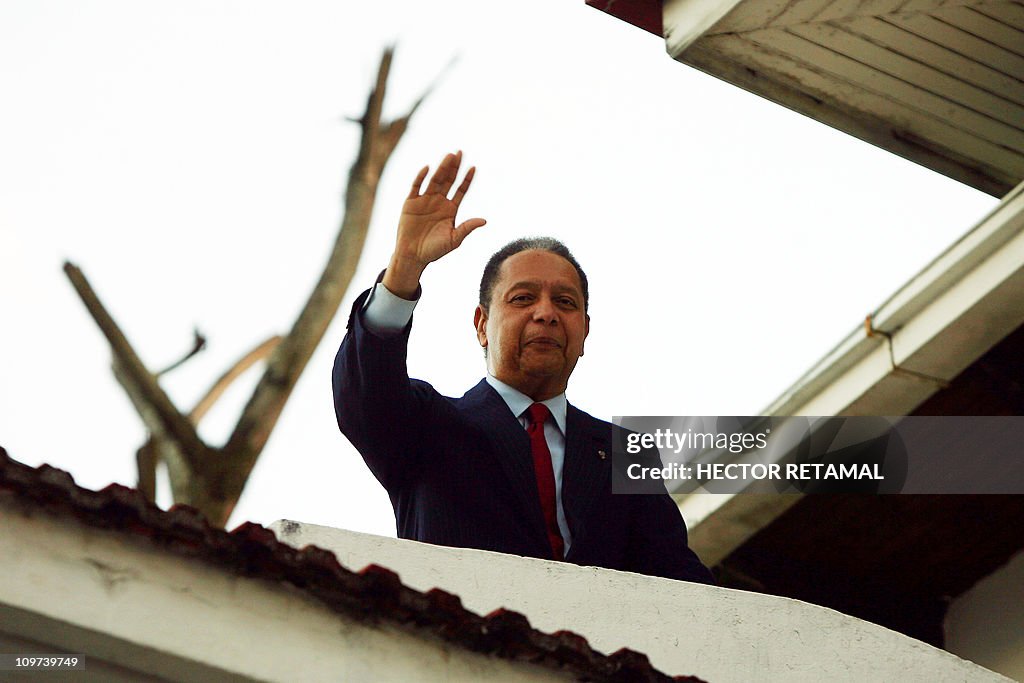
(386,314)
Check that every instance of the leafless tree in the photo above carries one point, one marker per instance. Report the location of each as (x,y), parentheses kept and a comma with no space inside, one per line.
(211,478)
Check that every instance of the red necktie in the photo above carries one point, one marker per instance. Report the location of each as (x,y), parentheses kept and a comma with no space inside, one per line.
(537,414)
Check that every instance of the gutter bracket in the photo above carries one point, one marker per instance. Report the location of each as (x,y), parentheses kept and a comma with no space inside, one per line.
(871,331)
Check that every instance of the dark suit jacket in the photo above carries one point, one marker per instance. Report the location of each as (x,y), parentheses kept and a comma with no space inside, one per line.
(459,470)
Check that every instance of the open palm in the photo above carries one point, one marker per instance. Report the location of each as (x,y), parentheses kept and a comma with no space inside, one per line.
(426,229)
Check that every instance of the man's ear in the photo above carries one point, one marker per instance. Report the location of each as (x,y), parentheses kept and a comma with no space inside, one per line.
(586,331)
(480,323)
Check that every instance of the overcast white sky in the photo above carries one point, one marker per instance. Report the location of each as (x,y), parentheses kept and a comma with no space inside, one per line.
(190,157)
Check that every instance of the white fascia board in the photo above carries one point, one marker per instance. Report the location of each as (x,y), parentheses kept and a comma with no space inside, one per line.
(956,309)
(945,318)
(685,21)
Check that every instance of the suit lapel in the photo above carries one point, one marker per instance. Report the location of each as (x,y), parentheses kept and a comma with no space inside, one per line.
(483,407)
(585,472)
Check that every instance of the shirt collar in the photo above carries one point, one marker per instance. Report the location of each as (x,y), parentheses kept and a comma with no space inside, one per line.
(518,402)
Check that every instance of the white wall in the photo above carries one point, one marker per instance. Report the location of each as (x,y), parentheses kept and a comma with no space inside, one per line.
(718,634)
(986,624)
(130,607)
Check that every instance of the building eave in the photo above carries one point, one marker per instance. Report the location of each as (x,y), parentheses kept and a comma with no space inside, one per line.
(929,331)
(937,82)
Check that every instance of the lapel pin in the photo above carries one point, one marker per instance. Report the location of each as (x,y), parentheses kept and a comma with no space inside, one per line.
(602,455)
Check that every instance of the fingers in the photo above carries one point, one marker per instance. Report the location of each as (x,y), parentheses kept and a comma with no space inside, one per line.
(464,186)
(444,177)
(467,227)
(416,184)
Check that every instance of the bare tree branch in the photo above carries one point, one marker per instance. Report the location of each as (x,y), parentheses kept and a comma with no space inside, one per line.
(148,455)
(260,416)
(212,479)
(234,372)
(162,446)
(198,344)
(153,404)
(145,462)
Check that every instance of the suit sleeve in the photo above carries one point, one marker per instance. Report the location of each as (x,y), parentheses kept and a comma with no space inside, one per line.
(386,416)
(660,544)
(659,537)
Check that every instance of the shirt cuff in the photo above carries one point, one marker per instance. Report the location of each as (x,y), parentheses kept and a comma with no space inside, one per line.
(386,314)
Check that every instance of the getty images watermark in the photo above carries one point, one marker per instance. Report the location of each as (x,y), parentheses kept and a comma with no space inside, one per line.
(729,454)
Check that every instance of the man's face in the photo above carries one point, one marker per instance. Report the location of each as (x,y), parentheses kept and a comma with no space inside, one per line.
(536,323)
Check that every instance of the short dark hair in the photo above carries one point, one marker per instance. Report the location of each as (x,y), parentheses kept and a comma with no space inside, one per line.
(493,267)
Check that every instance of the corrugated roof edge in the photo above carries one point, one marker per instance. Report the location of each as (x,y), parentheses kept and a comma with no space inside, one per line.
(373,593)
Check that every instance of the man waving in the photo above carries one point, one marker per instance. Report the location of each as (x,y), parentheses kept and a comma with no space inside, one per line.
(510,466)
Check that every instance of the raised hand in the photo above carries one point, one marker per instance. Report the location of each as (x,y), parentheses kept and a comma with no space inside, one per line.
(426,229)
